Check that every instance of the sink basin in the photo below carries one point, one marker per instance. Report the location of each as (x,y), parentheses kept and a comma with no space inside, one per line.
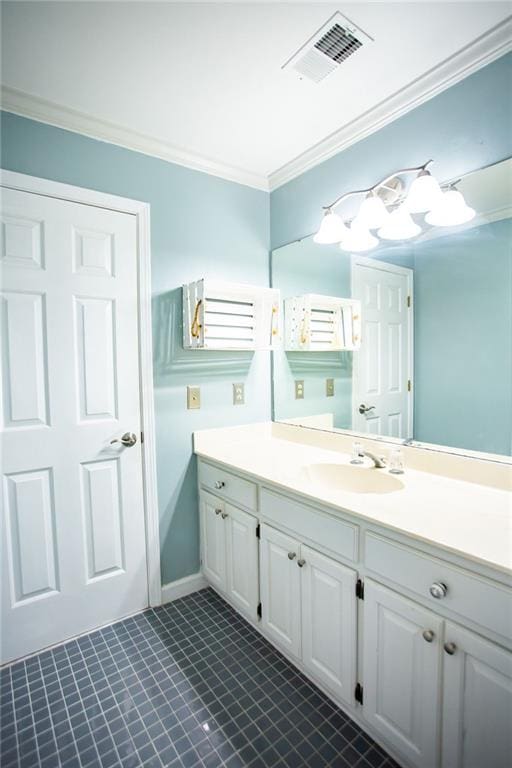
(343,477)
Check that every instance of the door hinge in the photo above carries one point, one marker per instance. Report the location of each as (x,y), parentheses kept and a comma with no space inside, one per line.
(358,693)
(360,589)
(258,611)
(409,301)
(142,437)
(258,531)
(409,385)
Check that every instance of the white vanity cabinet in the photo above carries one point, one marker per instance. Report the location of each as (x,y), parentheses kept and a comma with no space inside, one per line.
(477,703)
(402,664)
(309,609)
(229,552)
(413,643)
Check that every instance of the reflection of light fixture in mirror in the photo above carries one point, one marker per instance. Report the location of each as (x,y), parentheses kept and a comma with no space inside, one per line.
(372,213)
(358,239)
(424,194)
(399,226)
(332,229)
(451,210)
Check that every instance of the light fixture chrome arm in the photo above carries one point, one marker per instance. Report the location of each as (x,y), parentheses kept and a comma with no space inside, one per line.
(375,186)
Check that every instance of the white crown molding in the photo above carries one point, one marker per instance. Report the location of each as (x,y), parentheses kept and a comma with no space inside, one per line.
(44,111)
(485,49)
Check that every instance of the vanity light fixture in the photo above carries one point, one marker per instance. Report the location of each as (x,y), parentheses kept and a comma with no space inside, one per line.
(372,213)
(399,226)
(332,229)
(358,239)
(451,210)
(424,194)
(443,207)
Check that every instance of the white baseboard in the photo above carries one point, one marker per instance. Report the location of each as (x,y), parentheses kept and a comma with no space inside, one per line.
(183,587)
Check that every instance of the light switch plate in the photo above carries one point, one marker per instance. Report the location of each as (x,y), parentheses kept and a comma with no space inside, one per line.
(299,389)
(238,394)
(329,387)
(193,398)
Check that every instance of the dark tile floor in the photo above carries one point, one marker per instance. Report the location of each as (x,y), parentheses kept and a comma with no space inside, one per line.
(188,684)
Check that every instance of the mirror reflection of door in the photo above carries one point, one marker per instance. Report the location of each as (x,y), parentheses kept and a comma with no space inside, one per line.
(382,400)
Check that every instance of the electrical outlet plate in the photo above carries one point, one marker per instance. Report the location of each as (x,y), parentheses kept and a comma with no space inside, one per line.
(193,398)
(238,394)
(329,387)
(299,389)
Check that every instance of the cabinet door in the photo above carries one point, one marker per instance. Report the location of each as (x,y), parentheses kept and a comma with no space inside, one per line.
(213,540)
(329,622)
(401,672)
(477,706)
(280,589)
(242,560)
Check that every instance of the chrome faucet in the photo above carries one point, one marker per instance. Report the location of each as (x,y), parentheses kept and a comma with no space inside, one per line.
(379,463)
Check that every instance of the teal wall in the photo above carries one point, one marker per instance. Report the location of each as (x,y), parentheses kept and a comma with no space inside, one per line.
(201,226)
(463,339)
(464,128)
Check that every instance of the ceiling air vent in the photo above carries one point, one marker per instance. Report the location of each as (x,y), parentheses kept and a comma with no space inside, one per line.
(327,49)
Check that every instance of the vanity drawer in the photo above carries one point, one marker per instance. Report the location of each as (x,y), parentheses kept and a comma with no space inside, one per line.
(473,597)
(228,486)
(307,522)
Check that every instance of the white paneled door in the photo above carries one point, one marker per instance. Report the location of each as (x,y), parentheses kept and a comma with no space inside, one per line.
(382,373)
(73,534)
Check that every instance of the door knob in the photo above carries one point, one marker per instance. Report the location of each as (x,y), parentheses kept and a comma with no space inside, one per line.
(218,511)
(224,515)
(365,408)
(450,648)
(301,562)
(219,484)
(428,635)
(128,439)
(291,555)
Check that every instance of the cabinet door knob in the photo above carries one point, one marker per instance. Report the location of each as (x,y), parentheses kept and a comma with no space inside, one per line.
(291,555)
(224,515)
(301,562)
(219,484)
(438,590)
(428,635)
(218,511)
(450,648)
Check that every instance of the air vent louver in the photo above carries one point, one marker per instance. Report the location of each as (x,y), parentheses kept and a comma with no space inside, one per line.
(338,44)
(327,49)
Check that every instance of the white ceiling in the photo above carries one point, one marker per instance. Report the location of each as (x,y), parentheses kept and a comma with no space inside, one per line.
(205,80)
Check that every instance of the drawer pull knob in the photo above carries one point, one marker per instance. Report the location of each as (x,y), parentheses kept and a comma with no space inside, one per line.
(428,635)
(438,590)
(218,511)
(291,555)
(224,515)
(219,484)
(450,648)
(301,563)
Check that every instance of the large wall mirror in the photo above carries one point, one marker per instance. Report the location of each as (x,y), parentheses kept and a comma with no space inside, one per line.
(434,363)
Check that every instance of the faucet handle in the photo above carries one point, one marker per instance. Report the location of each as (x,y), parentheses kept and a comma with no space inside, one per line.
(357,452)
(396,462)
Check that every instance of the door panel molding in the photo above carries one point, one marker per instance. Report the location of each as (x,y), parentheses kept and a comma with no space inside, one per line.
(92,260)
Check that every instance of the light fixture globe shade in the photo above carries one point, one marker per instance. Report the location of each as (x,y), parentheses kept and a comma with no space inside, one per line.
(450,211)
(424,194)
(372,213)
(358,239)
(332,229)
(399,226)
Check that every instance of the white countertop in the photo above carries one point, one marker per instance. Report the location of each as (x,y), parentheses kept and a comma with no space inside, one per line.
(471,520)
